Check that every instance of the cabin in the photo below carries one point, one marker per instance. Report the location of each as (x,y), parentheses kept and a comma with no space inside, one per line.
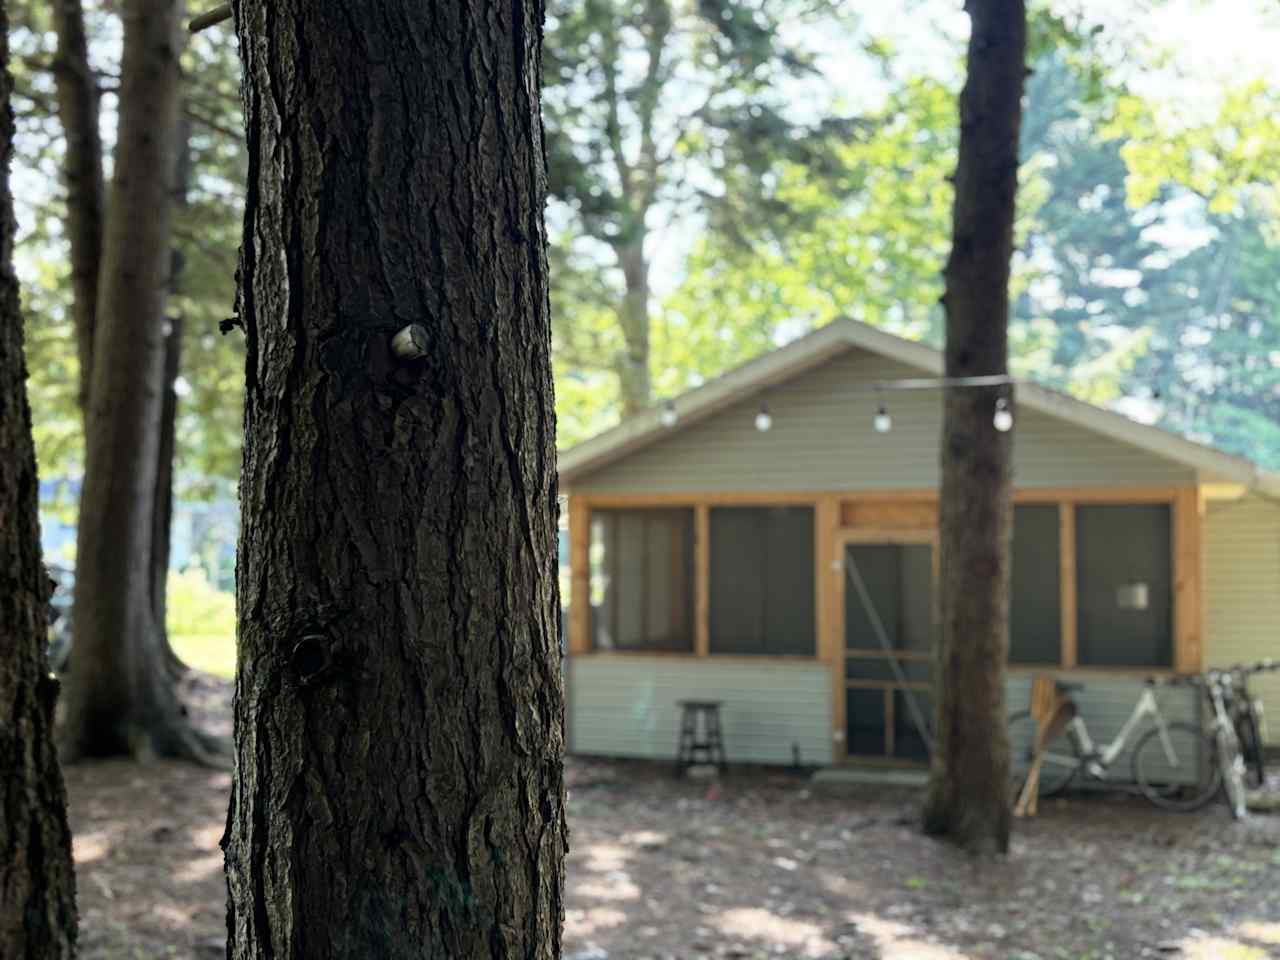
(770,540)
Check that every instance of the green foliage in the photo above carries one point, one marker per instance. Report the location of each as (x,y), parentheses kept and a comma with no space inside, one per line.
(207,237)
(874,246)
(1226,159)
(670,109)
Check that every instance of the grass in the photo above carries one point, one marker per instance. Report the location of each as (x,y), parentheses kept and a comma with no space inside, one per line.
(202,623)
(213,653)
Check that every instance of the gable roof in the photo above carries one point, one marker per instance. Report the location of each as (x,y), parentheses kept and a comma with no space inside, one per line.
(841,336)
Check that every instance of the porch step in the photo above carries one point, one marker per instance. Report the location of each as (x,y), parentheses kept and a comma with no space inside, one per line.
(875,776)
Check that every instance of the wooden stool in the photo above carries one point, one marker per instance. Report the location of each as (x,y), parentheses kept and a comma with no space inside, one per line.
(709,749)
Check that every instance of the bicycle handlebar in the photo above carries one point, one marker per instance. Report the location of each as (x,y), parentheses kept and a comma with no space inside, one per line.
(1215,674)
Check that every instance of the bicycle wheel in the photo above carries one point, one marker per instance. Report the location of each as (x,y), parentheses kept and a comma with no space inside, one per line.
(1251,747)
(1231,766)
(1161,769)
(1061,759)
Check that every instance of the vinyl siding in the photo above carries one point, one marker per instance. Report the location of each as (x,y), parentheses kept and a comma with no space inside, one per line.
(1242,592)
(626,706)
(823,439)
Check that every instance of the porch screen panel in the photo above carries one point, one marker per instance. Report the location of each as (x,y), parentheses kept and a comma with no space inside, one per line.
(1122,551)
(737,582)
(762,581)
(642,579)
(1035,594)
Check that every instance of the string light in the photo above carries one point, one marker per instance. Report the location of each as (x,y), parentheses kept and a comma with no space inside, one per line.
(883,422)
(764,421)
(1003,419)
(669,417)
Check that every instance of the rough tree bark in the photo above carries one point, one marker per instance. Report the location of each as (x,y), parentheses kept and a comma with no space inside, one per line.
(77,87)
(968,797)
(398,788)
(37,885)
(121,698)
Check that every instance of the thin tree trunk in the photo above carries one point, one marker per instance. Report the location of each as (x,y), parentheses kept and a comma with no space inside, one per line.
(968,797)
(398,789)
(121,699)
(163,513)
(37,884)
(77,87)
(633,365)
(162,524)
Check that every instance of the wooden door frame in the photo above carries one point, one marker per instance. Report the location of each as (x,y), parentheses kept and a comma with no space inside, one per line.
(867,536)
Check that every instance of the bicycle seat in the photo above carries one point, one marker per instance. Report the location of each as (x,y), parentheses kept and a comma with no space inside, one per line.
(1069,687)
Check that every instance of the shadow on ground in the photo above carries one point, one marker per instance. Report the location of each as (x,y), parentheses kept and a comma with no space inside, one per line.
(756,866)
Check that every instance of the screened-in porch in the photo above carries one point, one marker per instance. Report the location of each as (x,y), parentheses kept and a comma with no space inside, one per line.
(1103,582)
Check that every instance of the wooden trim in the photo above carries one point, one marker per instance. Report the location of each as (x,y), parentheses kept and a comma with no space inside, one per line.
(826,517)
(579,639)
(889,514)
(702,580)
(731,658)
(1067,589)
(888,722)
(1119,495)
(1188,651)
(885,536)
(1087,494)
(709,498)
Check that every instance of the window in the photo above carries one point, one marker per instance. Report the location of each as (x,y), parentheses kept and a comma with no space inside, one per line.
(642,579)
(762,581)
(1035,593)
(1124,582)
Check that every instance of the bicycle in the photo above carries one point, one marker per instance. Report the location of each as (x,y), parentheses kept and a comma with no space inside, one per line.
(1230,761)
(1164,759)
(1248,719)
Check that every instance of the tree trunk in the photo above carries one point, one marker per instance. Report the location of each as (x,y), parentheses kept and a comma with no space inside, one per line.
(163,513)
(37,885)
(398,789)
(162,521)
(82,168)
(968,797)
(121,699)
(633,368)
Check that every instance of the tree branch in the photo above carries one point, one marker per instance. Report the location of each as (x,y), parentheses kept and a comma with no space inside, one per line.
(210,19)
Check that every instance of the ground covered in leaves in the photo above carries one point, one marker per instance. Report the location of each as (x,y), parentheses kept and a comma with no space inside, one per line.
(759,865)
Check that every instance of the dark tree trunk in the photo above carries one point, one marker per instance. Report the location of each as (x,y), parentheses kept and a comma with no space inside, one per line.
(398,789)
(968,797)
(121,699)
(37,885)
(162,522)
(82,168)
(163,513)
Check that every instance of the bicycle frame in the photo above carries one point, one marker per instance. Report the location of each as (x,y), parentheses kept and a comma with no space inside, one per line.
(1097,761)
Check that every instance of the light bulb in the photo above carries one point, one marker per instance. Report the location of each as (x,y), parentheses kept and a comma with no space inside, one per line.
(1003,419)
(883,422)
(669,417)
(763,420)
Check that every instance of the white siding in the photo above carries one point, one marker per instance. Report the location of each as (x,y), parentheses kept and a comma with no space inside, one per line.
(626,706)
(1242,591)
(822,439)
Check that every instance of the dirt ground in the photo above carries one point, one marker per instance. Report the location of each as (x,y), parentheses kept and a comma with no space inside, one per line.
(759,865)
